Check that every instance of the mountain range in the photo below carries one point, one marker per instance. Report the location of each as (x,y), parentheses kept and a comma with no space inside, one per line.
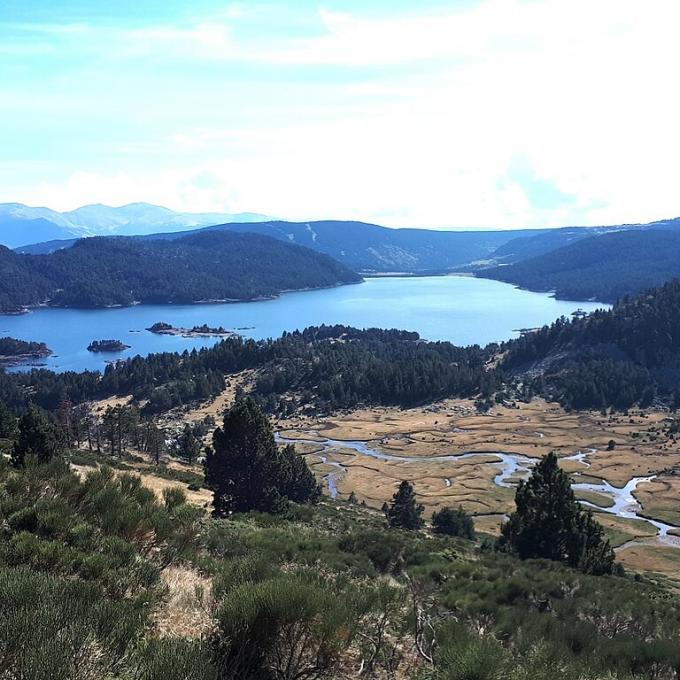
(579,263)
(21,225)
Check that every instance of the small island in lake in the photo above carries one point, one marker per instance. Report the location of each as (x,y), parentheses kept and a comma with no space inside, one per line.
(107,346)
(162,328)
(13,351)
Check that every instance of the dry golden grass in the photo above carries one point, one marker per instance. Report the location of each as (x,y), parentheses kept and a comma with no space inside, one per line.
(661,499)
(454,427)
(185,609)
(101,405)
(651,559)
(201,498)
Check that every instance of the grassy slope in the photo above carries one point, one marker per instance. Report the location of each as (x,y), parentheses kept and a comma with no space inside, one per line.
(100,579)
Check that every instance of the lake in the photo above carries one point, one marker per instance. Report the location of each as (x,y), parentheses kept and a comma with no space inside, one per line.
(463,310)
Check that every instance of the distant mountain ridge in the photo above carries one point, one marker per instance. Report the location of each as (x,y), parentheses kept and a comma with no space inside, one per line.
(370,248)
(22,225)
(525,247)
(360,246)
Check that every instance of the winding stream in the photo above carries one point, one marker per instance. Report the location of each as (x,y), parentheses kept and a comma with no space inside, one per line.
(511,466)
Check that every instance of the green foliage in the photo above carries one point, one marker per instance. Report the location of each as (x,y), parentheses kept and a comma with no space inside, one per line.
(384,550)
(550,523)
(617,358)
(473,659)
(188,445)
(328,366)
(297,595)
(39,437)
(11,347)
(288,627)
(55,629)
(605,267)
(405,512)
(246,470)
(8,423)
(79,571)
(453,523)
(173,497)
(174,659)
(299,483)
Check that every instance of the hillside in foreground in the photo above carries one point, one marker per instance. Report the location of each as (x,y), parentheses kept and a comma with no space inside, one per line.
(100,272)
(114,569)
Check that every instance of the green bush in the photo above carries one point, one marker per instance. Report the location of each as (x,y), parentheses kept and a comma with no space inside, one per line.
(286,627)
(174,659)
(52,629)
(453,523)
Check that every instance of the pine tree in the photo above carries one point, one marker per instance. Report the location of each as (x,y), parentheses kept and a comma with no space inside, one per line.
(38,437)
(405,512)
(189,445)
(453,523)
(550,523)
(297,481)
(246,470)
(241,466)
(8,423)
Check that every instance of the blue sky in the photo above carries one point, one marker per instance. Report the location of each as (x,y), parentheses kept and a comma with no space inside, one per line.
(478,113)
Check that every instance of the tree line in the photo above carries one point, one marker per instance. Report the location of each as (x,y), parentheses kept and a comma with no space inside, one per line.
(327,367)
(627,355)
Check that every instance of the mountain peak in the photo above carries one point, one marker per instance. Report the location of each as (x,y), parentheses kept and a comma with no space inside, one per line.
(22,225)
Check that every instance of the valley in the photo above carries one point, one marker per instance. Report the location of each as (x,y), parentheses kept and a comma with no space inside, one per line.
(455,456)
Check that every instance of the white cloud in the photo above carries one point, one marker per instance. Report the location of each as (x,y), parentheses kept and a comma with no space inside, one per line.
(584,92)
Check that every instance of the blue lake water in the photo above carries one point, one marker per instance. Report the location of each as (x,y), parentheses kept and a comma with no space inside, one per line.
(463,310)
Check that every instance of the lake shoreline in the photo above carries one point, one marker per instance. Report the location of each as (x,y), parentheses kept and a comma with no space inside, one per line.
(137,303)
(458,309)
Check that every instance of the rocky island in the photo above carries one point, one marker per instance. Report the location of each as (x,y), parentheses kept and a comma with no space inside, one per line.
(107,346)
(162,328)
(13,351)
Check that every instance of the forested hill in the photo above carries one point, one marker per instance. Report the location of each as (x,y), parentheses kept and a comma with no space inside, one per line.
(372,248)
(603,267)
(99,272)
(618,357)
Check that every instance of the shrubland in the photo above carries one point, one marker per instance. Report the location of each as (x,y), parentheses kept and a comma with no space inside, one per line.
(319,589)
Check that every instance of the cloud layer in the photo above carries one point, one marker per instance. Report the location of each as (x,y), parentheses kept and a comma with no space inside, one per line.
(495,113)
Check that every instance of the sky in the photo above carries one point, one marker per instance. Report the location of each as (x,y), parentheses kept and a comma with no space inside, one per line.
(458,114)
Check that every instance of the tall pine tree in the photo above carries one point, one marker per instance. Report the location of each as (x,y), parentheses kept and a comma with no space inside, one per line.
(405,512)
(550,523)
(246,470)
(39,437)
